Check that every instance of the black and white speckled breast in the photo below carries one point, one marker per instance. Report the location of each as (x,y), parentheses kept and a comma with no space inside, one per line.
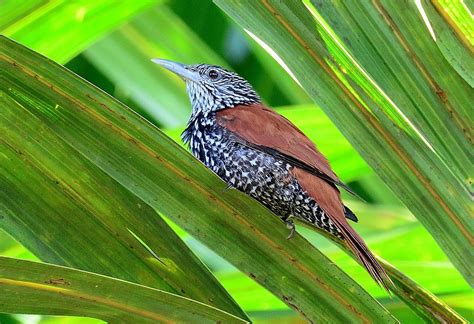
(256,173)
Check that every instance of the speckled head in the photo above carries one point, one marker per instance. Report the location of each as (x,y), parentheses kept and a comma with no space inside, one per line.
(212,88)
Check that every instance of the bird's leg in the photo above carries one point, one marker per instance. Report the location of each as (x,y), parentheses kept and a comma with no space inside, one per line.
(290,225)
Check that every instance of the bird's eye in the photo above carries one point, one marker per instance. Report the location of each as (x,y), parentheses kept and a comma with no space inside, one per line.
(213,74)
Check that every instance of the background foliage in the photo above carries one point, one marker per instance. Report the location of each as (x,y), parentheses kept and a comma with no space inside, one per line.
(110,46)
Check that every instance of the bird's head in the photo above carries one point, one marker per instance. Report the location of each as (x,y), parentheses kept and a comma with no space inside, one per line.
(211,88)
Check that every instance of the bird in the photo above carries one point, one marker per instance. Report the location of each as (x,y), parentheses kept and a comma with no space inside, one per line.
(261,153)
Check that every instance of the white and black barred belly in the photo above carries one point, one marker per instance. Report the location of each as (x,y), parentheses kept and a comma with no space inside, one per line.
(256,173)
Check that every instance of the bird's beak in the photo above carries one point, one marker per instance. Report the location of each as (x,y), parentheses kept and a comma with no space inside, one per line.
(179,69)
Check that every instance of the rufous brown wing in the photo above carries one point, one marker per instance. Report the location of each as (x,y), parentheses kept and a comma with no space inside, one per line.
(264,129)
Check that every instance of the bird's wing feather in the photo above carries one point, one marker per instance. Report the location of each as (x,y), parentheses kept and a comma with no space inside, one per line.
(263,129)
(268,131)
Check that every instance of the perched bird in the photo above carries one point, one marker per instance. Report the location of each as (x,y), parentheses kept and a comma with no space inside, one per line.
(256,150)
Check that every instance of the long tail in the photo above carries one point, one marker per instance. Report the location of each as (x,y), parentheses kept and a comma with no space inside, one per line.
(362,252)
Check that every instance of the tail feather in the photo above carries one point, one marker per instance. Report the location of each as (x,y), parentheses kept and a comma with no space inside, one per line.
(362,252)
(350,215)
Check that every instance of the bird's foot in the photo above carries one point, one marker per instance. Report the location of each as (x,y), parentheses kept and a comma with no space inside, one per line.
(291,226)
(228,187)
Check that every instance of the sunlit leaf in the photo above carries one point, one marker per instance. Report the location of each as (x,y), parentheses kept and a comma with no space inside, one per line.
(452,22)
(62,29)
(37,288)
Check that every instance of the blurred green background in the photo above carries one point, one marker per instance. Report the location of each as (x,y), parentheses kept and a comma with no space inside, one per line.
(114,54)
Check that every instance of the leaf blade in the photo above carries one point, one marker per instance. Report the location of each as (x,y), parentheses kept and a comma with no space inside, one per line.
(39,288)
(59,205)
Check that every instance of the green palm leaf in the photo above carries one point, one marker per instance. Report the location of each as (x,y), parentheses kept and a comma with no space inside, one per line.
(38,288)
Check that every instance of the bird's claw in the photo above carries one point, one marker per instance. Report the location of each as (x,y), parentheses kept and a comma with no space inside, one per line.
(228,187)
(291,226)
